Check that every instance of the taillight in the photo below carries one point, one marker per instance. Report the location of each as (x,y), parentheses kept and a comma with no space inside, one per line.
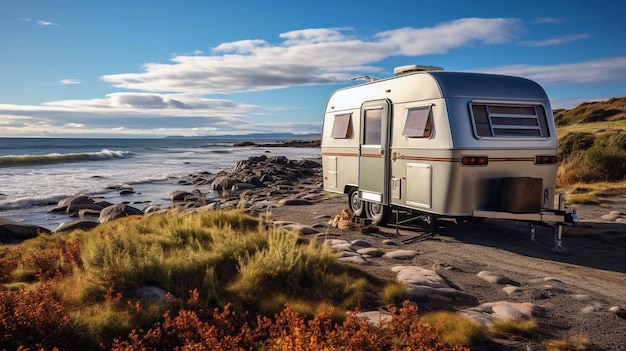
(546,160)
(474,160)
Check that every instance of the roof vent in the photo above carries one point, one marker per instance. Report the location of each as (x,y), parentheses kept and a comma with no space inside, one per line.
(414,68)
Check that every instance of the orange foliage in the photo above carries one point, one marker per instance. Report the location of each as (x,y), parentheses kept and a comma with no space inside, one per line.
(31,318)
(287,331)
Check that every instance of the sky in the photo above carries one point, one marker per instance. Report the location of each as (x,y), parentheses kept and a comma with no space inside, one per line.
(156,68)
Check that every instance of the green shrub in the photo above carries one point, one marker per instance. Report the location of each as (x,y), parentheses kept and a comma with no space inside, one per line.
(573,142)
(586,158)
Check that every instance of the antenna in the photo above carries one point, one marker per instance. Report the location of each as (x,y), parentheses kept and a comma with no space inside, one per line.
(367,78)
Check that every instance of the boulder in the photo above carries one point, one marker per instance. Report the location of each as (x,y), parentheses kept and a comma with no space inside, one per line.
(15,232)
(179,195)
(117,211)
(79,224)
(223,183)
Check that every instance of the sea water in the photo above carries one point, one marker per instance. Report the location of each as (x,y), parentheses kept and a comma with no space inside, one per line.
(35,173)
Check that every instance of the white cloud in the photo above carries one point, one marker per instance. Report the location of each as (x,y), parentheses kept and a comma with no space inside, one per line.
(549,20)
(69,81)
(306,57)
(555,41)
(46,23)
(76,125)
(587,72)
(449,35)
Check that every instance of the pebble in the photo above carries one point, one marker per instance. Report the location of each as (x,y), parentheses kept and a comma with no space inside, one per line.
(510,289)
(619,311)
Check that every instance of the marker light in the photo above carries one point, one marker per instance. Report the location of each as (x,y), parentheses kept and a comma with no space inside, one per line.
(545,160)
(474,160)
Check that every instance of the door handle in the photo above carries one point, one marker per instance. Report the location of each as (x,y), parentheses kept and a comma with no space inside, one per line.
(381,152)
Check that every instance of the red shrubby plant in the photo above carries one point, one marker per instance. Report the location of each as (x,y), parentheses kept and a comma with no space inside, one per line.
(287,331)
(33,318)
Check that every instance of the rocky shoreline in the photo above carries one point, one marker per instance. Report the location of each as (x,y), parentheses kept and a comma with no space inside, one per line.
(254,185)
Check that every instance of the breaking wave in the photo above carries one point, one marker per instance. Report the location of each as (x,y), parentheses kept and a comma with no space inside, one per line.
(25,160)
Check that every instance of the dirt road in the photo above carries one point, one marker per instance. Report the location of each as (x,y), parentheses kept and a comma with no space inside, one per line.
(576,288)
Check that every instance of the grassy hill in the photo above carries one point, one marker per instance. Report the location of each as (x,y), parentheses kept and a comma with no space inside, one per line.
(611,110)
(592,148)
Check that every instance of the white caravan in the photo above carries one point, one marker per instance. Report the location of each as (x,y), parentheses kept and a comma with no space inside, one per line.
(444,144)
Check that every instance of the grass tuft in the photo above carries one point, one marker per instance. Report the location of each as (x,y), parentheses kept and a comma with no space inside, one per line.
(575,343)
(453,328)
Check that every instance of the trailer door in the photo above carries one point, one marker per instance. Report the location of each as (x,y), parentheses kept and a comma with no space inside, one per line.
(374,151)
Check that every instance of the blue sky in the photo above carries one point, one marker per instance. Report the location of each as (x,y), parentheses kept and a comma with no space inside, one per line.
(124,68)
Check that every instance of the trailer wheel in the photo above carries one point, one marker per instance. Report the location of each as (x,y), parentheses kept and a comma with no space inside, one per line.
(356,204)
(378,213)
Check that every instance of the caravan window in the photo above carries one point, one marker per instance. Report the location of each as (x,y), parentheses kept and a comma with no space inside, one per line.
(372,126)
(495,120)
(342,127)
(418,122)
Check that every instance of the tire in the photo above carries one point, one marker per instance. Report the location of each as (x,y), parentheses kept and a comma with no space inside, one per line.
(378,213)
(356,205)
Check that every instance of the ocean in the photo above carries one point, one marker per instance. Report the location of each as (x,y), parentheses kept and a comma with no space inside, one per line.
(35,173)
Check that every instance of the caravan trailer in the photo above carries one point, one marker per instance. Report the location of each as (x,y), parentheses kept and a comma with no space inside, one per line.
(444,144)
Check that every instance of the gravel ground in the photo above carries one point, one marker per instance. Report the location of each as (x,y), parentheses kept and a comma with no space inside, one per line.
(575,288)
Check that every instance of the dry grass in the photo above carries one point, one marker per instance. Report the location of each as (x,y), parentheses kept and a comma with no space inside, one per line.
(575,343)
(593,193)
(454,328)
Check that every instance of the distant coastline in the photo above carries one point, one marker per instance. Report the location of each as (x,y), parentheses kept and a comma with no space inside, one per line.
(278,136)
(286,143)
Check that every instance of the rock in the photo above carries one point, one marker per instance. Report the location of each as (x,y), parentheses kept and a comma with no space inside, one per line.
(179,195)
(487,313)
(421,292)
(300,229)
(552,279)
(401,254)
(510,289)
(294,202)
(493,278)
(126,191)
(80,224)
(342,247)
(375,317)
(619,311)
(415,275)
(73,208)
(151,294)
(480,318)
(117,211)
(77,199)
(242,186)
(371,252)
(15,232)
(361,243)
(355,260)
(592,307)
(424,284)
(610,216)
(390,242)
(223,183)
(581,297)
(88,213)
